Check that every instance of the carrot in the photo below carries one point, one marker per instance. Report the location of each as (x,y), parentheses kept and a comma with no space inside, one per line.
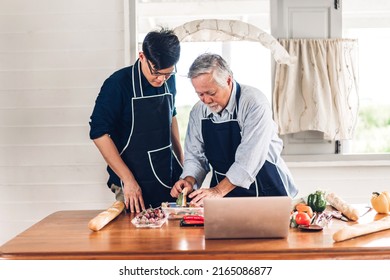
(301,207)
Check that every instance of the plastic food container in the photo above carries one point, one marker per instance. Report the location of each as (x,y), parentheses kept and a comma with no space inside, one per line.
(177,212)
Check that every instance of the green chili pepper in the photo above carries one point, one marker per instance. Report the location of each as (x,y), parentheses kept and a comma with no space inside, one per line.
(317,201)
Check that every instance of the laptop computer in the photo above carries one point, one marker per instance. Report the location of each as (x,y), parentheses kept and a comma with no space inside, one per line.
(247,217)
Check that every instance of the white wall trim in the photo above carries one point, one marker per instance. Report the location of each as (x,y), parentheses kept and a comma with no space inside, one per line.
(130,28)
(333,160)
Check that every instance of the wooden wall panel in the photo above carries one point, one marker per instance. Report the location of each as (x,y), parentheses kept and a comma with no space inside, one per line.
(51,174)
(71,97)
(58,193)
(54,57)
(41,155)
(353,183)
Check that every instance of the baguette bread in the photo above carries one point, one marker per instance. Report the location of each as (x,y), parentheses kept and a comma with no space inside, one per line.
(106,216)
(342,206)
(355,230)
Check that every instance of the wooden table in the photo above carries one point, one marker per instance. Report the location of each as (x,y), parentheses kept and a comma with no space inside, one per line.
(65,235)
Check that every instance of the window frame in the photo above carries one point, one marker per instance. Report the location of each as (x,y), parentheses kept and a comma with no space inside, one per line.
(299,160)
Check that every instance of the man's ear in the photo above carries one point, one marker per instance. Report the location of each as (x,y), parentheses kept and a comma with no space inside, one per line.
(229,80)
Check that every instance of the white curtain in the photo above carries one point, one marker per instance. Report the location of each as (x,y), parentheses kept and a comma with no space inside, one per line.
(320,91)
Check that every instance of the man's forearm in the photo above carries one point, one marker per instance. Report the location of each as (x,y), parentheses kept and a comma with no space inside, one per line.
(176,145)
(190,180)
(224,187)
(111,155)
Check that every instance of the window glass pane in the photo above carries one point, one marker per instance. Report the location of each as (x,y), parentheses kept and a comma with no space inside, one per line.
(369,22)
(250,61)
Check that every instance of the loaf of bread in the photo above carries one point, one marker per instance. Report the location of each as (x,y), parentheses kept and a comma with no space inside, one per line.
(355,230)
(106,216)
(342,206)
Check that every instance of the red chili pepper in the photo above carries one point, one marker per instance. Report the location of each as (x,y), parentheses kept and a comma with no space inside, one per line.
(194,222)
(193,218)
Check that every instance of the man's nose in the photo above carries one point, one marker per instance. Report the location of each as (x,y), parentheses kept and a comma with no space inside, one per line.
(207,99)
(161,78)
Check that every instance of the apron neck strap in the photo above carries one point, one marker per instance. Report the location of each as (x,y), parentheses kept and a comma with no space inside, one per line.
(137,80)
(238,94)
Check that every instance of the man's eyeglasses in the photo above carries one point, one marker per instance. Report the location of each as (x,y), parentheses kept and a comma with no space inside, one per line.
(158,74)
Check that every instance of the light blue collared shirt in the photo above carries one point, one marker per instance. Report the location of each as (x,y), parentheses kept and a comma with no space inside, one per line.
(259,140)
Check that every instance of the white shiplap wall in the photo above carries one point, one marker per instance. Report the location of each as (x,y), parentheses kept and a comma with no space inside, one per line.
(54,56)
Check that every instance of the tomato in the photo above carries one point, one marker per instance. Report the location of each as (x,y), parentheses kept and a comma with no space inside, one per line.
(304,208)
(302,218)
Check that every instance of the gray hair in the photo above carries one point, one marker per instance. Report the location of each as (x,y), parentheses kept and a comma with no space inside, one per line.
(211,63)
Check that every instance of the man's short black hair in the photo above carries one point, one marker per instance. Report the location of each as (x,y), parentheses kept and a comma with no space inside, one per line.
(162,48)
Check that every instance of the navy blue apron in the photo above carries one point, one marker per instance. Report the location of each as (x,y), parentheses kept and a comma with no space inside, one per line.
(148,152)
(221,140)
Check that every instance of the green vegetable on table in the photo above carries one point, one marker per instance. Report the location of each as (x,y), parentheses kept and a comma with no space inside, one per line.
(182,199)
(317,201)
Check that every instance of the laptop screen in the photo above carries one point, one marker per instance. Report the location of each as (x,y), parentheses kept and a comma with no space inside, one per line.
(247,217)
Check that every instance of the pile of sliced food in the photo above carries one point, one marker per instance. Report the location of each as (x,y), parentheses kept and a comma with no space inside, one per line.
(151,217)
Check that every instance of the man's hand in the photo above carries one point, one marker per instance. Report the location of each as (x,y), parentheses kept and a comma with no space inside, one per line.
(198,195)
(219,191)
(179,186)
(131,191)
(133,197)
